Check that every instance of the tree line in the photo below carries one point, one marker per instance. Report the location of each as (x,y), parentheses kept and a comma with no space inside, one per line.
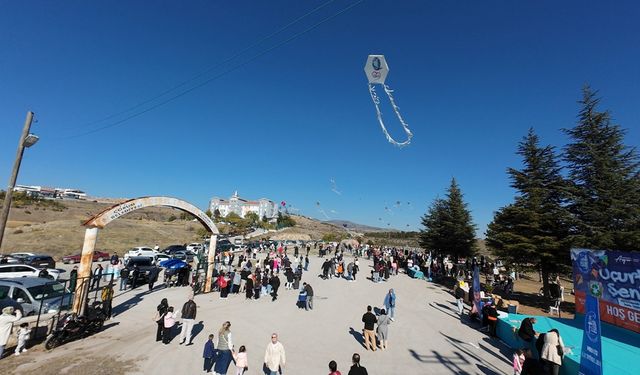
(585,195)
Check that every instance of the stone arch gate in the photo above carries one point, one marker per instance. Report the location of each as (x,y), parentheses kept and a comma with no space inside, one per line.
(101,220)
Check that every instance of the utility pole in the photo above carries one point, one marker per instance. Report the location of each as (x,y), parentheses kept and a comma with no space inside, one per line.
(14,175)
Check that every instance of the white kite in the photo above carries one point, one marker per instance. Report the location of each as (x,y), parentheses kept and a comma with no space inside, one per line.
(376,70)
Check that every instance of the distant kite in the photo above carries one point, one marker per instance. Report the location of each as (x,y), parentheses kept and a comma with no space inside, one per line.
(376,70)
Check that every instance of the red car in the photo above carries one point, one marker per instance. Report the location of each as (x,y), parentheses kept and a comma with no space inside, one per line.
(98,256)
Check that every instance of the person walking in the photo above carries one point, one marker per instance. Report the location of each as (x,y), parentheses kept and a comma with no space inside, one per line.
(97,276)
(135,274)
(390,303)
(460,298)
(23,336)
(153,276)
(241,360)
(552,352)
(369,321)
(356,268)
(275,285)
(124,278)
(73,279)
(188,318)
(161,311)
(306,262)
(356,369)
(208,354)
(309,302)
(225,344)
(6,323)
(169,321)
(249,288)
(333,367)
(383,329)
(274,357)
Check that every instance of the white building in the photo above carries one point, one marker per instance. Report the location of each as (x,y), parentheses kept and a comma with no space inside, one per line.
(263,207)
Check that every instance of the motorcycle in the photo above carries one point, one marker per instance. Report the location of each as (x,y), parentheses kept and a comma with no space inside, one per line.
(72,327)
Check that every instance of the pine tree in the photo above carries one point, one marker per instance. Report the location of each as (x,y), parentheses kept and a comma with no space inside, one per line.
(605,182)
(534,229)
(431,236)
(448,226)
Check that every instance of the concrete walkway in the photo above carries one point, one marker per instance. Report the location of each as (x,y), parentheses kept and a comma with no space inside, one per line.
(427,336)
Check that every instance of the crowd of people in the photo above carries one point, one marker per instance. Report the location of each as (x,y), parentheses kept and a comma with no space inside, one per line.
(257,274)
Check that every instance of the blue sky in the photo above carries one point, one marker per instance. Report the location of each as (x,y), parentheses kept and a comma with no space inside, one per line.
(470,78)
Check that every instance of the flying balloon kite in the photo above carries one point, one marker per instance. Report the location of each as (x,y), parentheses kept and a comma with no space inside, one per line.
(376,70)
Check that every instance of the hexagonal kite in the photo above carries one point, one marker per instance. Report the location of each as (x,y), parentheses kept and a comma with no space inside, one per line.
(376,70)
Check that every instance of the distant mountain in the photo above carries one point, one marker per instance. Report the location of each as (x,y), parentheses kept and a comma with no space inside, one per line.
(358,227)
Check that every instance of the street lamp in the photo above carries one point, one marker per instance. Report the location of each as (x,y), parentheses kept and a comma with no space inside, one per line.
(26,140)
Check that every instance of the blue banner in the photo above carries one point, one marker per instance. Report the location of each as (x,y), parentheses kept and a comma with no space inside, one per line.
(476,292)
(591,355)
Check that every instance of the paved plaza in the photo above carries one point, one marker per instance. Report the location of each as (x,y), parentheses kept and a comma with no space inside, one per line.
(427,336)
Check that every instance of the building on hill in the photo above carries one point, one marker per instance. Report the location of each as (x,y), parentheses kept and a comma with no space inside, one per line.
(49,192)
(263,207)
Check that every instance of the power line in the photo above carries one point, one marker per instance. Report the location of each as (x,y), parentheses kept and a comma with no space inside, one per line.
(180,94)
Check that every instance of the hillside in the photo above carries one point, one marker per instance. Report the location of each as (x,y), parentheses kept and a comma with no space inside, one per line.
(56,229)
(60,232)
(355,227)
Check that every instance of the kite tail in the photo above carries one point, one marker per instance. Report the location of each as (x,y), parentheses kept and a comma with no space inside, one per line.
(376,101)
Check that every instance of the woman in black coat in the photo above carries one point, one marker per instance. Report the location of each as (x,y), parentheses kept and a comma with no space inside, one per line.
(162,308)
(249,288)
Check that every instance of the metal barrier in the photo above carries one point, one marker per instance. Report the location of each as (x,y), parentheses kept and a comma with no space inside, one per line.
(68,297)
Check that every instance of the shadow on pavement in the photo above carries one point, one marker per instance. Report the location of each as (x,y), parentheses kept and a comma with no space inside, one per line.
(452,363)
(466,348)
(197,328)
(357,335)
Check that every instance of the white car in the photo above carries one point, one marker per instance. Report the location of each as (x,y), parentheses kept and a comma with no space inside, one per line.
(160,258)
(195,247)
(141,251)
(24,270)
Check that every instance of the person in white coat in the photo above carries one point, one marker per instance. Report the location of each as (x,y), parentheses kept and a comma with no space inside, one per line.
(274,356)
(6,323)
(552,352)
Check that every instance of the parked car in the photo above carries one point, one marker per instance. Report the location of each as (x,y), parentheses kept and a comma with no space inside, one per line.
(224,245)
(22,255)
(36,294)
(195,247)
(24,270)
(98,256)
(174,248)
(187,256)
(160,258)
(145,264)
(141,251)
(40,261)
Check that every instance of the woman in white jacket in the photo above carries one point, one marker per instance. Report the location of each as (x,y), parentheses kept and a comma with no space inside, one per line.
(552,352)
(6,323)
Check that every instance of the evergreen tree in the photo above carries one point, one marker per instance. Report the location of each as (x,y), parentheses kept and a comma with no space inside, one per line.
(431,237)
(448,226)
(605,182)
(534,229)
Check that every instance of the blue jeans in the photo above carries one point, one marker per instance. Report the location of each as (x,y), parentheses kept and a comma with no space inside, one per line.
(123,284)
(392,312)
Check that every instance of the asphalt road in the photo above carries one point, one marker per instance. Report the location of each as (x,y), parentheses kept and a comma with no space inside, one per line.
(427,336)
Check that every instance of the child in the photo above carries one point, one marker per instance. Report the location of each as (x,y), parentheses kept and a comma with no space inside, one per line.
(518,361)
(209,354)
(23,336)
(241,360)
